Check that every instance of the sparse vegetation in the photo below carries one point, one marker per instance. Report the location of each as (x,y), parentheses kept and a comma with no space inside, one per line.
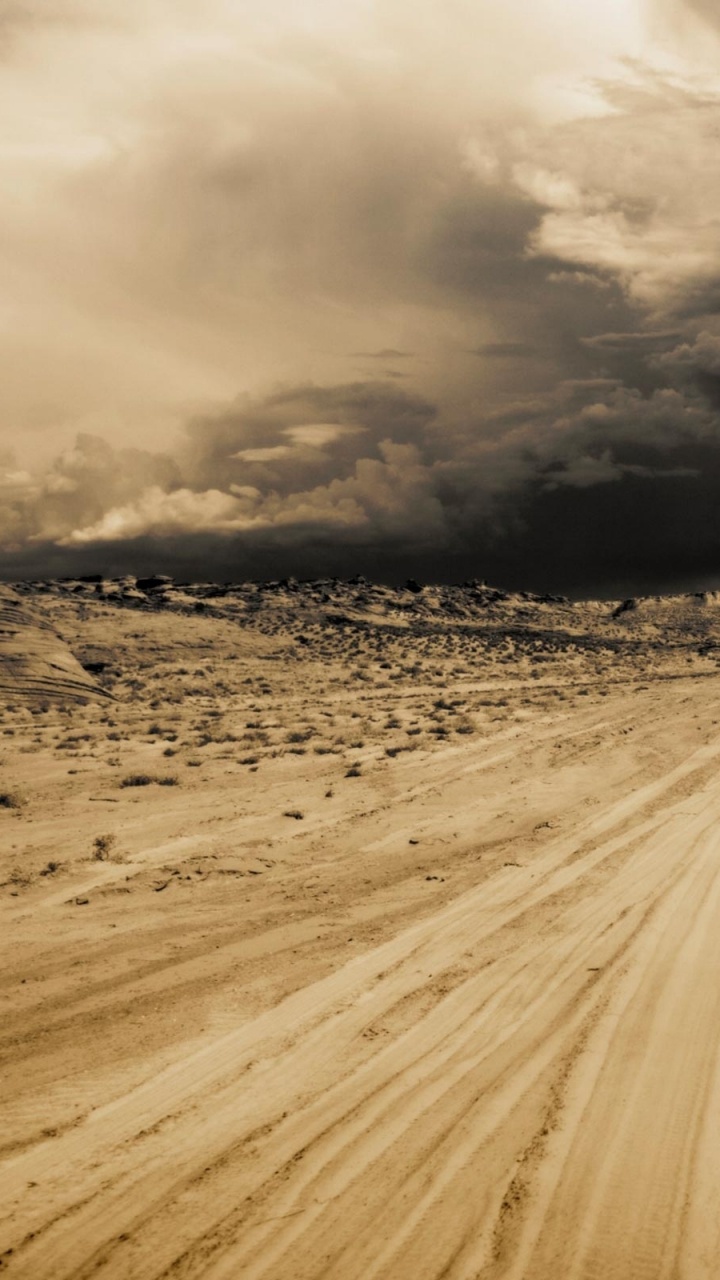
(13,799)
(147,779)
(300,735)
(103,846)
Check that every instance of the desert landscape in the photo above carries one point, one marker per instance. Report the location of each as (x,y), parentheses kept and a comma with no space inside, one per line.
(357,931)
(359,640)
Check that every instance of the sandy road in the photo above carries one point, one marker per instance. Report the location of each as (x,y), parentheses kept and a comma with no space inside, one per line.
(523,1083)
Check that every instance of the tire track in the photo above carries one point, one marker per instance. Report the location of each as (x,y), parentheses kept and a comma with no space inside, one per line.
(353,1135)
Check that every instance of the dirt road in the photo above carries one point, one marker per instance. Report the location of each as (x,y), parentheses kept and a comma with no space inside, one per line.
(516,1078)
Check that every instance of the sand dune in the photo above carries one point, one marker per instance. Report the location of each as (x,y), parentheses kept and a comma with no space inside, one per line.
(411,970)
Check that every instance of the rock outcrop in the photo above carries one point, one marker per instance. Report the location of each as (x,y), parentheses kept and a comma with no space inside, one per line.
(35,664)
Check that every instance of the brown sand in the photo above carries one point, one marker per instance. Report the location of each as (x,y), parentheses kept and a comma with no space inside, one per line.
(413,970)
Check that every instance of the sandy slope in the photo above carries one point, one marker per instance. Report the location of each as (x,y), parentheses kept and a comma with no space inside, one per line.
(34,663)
(459,1020)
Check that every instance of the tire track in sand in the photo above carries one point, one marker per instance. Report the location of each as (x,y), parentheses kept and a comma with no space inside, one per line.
(463,1145)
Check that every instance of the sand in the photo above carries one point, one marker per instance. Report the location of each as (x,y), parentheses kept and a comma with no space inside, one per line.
(403,962)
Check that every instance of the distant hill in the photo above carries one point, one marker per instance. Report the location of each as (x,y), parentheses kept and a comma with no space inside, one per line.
(324,615)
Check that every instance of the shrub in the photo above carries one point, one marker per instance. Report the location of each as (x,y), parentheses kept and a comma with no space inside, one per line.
(145,780)
(300,735)
(12,799)
(102,845)
(465,725)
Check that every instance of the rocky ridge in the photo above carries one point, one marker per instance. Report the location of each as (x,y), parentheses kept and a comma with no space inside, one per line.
(51,645)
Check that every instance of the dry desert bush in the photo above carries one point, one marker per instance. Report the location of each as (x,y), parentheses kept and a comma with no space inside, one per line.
(103,846)
(13,798)
(147,779)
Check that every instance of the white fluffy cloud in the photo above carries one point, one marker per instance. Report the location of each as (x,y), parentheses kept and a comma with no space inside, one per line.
(392,495)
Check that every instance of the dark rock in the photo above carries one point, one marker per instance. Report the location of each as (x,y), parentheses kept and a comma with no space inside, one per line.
(154,582)
(625,607)
(412,585)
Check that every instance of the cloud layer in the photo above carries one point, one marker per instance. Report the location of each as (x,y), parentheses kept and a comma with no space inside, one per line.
(370,285)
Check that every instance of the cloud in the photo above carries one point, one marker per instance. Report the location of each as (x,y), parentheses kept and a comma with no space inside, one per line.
(164,514)
(700,355)
(388,473)
(235,196)
(505,350)
(588,278)
(217,211)
(628,195)
(211,511)
(305,441)
(387,353)
(640,341)
(391,494)
(78,487)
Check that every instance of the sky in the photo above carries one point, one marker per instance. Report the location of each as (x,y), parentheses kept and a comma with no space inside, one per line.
(428,289)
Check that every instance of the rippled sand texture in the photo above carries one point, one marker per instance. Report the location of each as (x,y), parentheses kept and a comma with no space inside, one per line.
(411,972)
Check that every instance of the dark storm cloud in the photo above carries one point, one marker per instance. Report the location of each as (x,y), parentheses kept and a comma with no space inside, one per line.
(693,364)
(262,196)
(701,354)
(305,435)
(298,476)
(476,244)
